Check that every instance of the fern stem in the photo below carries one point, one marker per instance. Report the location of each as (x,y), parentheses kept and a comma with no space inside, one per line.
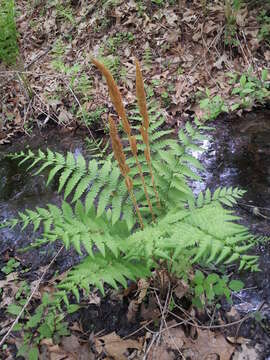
(135,154)
(129,186)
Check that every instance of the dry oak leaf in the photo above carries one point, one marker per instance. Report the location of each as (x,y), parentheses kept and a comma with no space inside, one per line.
(209,344)
(69,349)
(181,289)
(115,347)
(161,352)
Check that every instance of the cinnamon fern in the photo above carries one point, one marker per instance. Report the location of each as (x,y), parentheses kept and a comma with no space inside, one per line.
(148,173)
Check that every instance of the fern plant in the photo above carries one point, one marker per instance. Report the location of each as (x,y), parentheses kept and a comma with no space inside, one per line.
(8,33)
(135,212)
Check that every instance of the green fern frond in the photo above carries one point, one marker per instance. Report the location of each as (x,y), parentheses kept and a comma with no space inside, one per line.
(225,196)
(79,228)
(98,271)
(97,149)
(205,235)
(99,179)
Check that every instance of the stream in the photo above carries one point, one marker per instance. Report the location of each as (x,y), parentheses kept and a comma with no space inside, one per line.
(237,154)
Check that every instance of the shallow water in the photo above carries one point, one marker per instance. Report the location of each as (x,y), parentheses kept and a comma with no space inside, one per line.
(20,190)
(238,155)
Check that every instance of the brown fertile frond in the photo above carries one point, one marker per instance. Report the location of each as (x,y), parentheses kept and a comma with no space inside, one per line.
(121,159)
(115,95)
(118,148)
(140,93)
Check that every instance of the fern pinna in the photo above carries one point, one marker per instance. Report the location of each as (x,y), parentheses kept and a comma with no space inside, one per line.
(150,169)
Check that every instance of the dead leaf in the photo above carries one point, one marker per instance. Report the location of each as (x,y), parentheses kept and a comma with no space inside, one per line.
(181,289)
(267,55)
(238,340)
(172,37)
(9,288)
(151,312)
(70,348)
(18,119)
(246,353)
(174,337)
(143,286)
(222,59)
(115,347)
(241,17)
(233,314)
(64,117)
(171,17)
(209,343)
(161,352)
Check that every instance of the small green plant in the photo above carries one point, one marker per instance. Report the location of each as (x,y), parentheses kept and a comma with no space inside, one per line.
(64,11)
(111,62)
(159,2)
(9,50)
(110,3)
(264,21)
(58,53)
(141,8)
(11,266)
(231,9)
(180,70)
(166,99)
(102,23)
(211,287)
(58,63)
(93,118)
(250,89)
(113,42)
(147,57)
(83,87)
(45,323)
(212,105)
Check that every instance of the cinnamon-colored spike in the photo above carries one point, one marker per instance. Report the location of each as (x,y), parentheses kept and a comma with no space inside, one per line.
(140,93)
(114,95)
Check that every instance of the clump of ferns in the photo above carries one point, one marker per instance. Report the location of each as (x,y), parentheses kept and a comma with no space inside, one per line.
(138,212)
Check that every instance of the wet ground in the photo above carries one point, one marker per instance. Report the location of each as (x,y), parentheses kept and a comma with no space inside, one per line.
(238,154)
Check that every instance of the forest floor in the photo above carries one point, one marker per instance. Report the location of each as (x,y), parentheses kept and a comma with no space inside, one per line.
(198,59)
